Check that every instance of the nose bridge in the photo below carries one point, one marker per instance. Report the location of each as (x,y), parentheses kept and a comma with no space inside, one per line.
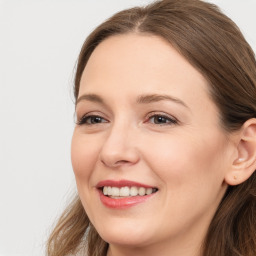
(119,147)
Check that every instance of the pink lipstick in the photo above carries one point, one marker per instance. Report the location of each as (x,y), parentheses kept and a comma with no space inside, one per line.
(124,193)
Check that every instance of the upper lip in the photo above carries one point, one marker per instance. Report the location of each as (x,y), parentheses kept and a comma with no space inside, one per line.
(122,183)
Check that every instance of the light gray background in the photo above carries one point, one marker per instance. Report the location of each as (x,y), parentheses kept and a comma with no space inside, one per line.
(39,44)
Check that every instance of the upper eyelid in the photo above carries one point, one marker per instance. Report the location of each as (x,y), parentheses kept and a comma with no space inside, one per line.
(152,113)
(91,113)
(107,118)
(79,118)
(84,118)
(170,118)
(159,113)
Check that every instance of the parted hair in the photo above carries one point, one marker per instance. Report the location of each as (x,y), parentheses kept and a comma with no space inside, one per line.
(214,45)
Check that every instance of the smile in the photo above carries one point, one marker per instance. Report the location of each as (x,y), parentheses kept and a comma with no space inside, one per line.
(122,194)
(115,192)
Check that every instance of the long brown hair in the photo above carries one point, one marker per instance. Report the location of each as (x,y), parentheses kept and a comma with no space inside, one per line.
(214,45)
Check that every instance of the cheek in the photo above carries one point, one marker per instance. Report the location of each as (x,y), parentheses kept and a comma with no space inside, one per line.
(83,156)
(187,161)
(191,173)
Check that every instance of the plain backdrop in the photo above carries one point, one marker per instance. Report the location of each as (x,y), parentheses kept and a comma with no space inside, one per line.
(39,44)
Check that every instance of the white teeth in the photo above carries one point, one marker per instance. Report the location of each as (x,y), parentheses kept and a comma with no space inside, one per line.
(124,191)
(109,191)
(142,191)
(134,191)
(127,191)
(105,191)
(115,191)
(149,191)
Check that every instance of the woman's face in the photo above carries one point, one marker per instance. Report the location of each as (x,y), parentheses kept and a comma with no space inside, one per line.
(146,124)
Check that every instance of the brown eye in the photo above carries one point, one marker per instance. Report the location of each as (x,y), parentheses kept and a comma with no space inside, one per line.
(160,119)
(90,120)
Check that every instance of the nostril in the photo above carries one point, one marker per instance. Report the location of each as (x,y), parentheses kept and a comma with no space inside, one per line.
(122,162)
(114,157)
(116,164)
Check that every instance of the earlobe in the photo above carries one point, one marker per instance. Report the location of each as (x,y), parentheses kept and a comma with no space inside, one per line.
(244,164)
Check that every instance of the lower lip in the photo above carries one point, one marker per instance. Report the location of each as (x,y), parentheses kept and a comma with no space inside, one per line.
(122,203)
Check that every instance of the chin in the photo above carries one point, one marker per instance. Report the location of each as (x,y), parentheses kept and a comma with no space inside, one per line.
(126,235)
(127,240)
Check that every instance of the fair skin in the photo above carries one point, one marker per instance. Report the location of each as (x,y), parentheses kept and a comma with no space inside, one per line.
(168,142)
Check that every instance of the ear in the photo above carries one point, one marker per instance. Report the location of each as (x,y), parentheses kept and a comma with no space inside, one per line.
(244,163)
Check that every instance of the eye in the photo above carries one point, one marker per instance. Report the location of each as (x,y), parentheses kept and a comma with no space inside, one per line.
(161,119)
(91,119)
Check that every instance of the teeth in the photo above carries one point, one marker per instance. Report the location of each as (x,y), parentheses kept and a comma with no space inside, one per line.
(127,191)
(142,191)
(105,191)
(124,191)
(115,191)
(134,191)
(149,191)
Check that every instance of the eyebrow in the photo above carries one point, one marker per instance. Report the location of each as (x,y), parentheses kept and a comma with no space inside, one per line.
(90,97)
(150,98)
(142,99)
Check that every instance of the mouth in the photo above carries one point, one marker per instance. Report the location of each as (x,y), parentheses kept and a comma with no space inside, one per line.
(123,194)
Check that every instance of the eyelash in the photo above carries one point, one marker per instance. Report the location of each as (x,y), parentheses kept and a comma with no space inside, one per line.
(167,119)
(85,118)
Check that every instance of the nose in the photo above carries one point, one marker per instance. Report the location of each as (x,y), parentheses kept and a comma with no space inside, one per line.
(119,147)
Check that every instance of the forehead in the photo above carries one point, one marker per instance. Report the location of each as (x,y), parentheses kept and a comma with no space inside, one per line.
(137,64)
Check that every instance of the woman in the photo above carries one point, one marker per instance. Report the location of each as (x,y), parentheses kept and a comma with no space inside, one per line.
(164,150)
